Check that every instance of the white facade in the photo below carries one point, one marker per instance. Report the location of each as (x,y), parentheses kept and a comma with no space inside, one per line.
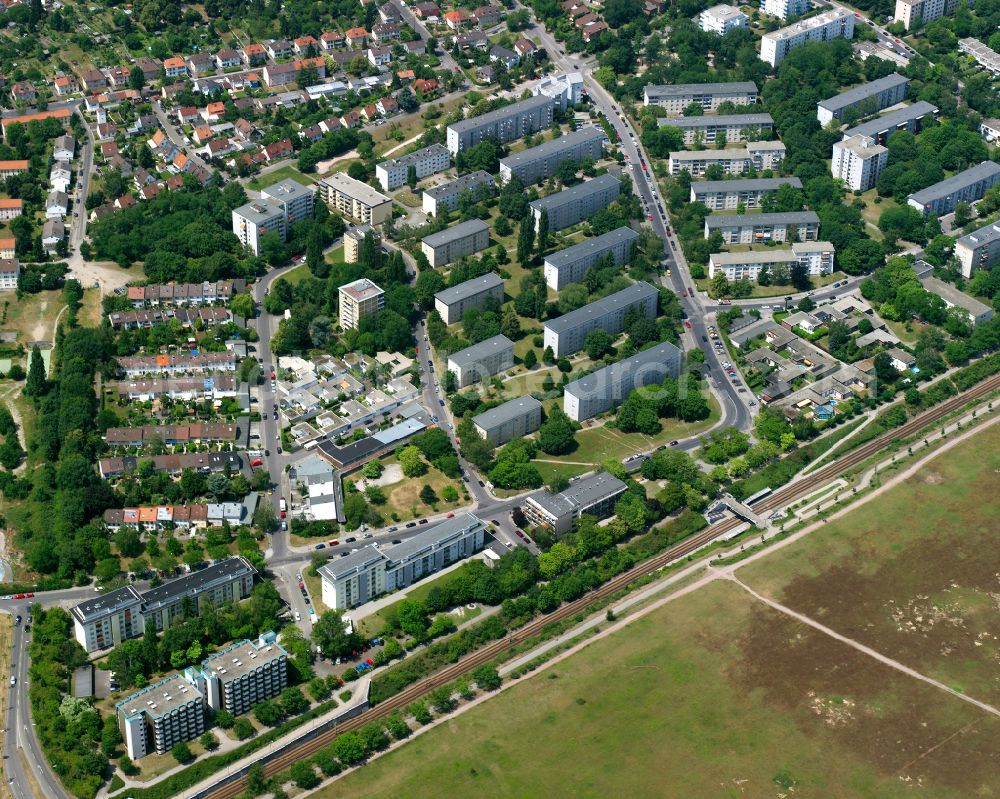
(858,161)
(565,89)
(758,155)
(786,9)
(835,24)
(721,19)
(815,256)
(391,174)
(357,300)
(910,12)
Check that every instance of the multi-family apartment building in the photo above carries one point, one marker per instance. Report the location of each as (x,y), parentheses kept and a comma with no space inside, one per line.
(542,161)
(514,419)
(134,320)
(967,186)
(182,389)
(606,388)
(979,249)
(914,12)
(786,9)
(763,228)
(566,89)
(107,620)
(735,127)
(674,99)
(566,334)
(864,100)
(358,299)
(452,243)
(908,118)
(204,462)
(837,23)
(10,271)
(354,199)
(452,303)
(569,265)
(369,571)
(815,256)
(986,57)
(482,360)
(858,161)
(976,312)
(721,19)
(165,713)
(241,675)
(505,124)
(757,155)
(354,239)
(595,496)
(445,197)
(572,205)
(730,195)
(9,169)
(392,173)
(280,206)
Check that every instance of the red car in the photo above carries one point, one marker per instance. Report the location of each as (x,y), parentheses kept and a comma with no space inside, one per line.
(282,514)
(450,516)
(256,462)
(370,663)
(519,533)
(19,596)
(301,584)
(334,542)
(687,324)
(649,217)
(29,595)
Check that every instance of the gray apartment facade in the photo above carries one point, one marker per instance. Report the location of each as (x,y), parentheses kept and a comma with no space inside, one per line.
(445,197)
(674,99)
(967,186)
(595,496)
(606,388)
(542,161)
(452,243)
(762,228)
(729,195)
(452,303)
(504,124)
(567,333)
(482,360)
(881,128)
(569,265)
(392,173)
(516,418)
(979,249)
(864,100)
(576,203)
(712,127)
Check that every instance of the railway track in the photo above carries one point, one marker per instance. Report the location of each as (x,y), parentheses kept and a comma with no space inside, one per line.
(779,498)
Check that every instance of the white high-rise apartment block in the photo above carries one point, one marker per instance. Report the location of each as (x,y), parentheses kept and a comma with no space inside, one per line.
(858,161)
(910,12)
(786,9)
(359,299)
(721,19)
(835,24)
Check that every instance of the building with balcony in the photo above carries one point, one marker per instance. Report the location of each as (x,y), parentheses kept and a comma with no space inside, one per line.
(675,98)
(542,161)
(392,173)
(572,205)
(452,303)
(967,186)
(482,360)
(570,264)
(165,713)
(763,228)
(837,23)
(858,161)
(566,334)
(514,419)
(358,299)
(595,496)
(506,124)
(864,100)
(731,195)
(735,127)
(354,199)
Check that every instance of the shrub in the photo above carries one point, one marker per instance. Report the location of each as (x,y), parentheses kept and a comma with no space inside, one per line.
(244,729)
(304,774)
(225,719)
(421,713)
(209,741)
(182,752)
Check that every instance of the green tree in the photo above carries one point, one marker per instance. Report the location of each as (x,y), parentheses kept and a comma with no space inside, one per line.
(182,752)
(243,729)
(304,774)
(530,359)
(411,176)
(35,385)
(427,495)
(209,741)
(556,436)
(543,231)
(598,343)
(243,305)
(411,461)
(526,240)
(486,677)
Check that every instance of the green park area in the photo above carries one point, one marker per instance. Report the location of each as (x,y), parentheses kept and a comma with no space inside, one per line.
(281,173)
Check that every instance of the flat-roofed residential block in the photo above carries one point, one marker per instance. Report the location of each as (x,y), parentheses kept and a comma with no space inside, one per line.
(358,299)
(834,24)
(230,580)
(979,249)
(711,127)
(757,155)
(976,311)
(353,580)
(863,100)
(544,160)
(452,243)
(165,713)
(721,19)
(566,334)
(729,195)
(445,197)
(786,9)
(607,388)
(516,418)
(241,675)
(910,12)
(505,124)
(108,619)
(452,303)
(815,256)
(392,173)
(967,186)
(482,360)
(565,88)
(355,238)
(858,161)
(986,57)
(908,118)
(595,496)
(675,98)
(762,228)
(569,265)
(572,205)
(354,199)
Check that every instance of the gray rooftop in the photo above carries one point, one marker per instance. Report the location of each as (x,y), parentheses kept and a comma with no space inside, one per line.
(355,189)
(196,582)
(603,242)
(574,193)
(892,120)
(416,156)
(469,288)
(354,563)
(769,255)
(433,538)
(522,107)
(259,211)
(477,352)
(286,190)
(465,183)
(107,604)
(634,293)
(582,494)
(977,238)
(459,231)
(160,698)
(585,134)
(684,89)
(241,658)
(956,182)
(739,220)
(720,121)
(589,384)
(511,409)
(953,296)
(744,184)
(862,92)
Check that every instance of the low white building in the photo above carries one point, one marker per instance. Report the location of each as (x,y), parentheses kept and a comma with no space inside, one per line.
(721,19)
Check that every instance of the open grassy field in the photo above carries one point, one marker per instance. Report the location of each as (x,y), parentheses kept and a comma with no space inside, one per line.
(915,574)
(374,623)
(714,695)
(33,316)
(282,173)
(403,497)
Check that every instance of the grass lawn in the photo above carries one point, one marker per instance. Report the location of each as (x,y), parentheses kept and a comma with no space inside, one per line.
(778,291)
(409,198)
(403,500)
(373,624)
(906,336)
(315,587)
(336,255)
(872,210)
(33,316)
(298,274)
(913,573)
(279,174)
(714,695)
(91,310)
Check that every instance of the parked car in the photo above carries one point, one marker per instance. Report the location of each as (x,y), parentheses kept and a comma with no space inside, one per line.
(320,546)
(411,524)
